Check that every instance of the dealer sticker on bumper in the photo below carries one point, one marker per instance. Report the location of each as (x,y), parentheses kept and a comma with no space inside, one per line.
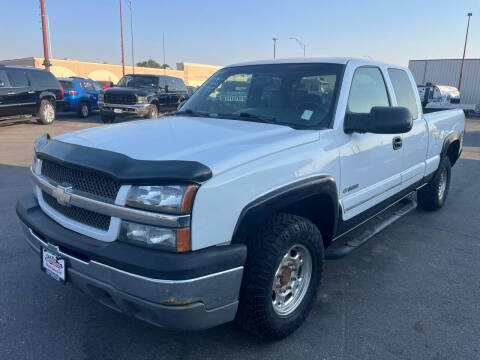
(53,265)
(117,111)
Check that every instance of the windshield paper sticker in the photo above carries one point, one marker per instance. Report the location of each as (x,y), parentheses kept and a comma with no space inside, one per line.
(307,114)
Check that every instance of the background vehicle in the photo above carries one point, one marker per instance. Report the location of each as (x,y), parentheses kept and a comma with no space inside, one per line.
(191,90)
(81,95)
(143,96)
(436,97)
(224,211)
(26,90)
(105,84)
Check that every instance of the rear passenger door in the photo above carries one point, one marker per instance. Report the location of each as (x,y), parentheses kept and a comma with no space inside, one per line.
(22,94)
(369,163)
(5,93)
(416,140)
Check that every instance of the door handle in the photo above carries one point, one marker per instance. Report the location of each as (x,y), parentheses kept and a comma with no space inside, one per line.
(397,143)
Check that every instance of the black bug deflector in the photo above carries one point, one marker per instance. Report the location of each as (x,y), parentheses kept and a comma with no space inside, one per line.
(124,169)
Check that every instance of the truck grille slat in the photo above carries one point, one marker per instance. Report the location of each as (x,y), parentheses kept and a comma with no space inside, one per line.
(93,185)
(84,216)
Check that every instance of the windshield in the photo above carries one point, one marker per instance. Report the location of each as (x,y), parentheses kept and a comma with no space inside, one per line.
(297,95)
(139,81)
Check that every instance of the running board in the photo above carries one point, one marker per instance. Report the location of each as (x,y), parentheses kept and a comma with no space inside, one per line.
(350,241)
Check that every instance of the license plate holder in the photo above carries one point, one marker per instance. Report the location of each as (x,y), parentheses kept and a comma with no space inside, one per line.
(53,265)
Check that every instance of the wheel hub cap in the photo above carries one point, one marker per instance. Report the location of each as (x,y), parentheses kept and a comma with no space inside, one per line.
(292,280)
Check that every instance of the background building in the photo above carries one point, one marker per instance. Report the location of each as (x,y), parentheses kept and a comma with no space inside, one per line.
(191,73)
(447,72)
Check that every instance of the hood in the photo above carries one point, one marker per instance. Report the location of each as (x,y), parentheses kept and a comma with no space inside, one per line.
(220,144)
(129,90)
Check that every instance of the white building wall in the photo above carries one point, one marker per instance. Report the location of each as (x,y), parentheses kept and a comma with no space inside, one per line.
(447,72)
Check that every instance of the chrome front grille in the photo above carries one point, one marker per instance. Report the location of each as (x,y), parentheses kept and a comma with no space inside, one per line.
(92,185)
(84,216)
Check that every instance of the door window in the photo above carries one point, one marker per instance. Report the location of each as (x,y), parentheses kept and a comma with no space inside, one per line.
(4,81)
(404,91)
(18,77)
(368,90)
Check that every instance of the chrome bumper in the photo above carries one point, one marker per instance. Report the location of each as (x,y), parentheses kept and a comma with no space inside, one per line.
(190,304)
(135,109)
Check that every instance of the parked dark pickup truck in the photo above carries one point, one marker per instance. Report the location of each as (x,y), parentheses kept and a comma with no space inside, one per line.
(143,96)
(29,91)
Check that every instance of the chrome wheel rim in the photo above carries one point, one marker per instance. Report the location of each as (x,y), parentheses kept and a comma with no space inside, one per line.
(84,110)
(442,186)
(154,112)
(291,280)
(48,112)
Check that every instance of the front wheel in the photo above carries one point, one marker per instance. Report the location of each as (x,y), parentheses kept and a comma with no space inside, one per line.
(46,112)
(283,271)
(433,195)
(84,110)
(152,112)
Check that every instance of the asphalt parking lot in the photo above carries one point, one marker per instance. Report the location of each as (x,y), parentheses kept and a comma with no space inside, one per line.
(412,292)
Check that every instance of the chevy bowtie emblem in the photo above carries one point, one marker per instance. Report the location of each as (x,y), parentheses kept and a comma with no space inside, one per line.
(62,194)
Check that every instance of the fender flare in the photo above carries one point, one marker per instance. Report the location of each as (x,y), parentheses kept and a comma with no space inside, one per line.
(449,140)
(259,210)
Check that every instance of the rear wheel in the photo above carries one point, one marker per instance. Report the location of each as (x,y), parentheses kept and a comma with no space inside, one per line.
(107,119)
(84,110)
(283,271)
(46,112)
(433,195)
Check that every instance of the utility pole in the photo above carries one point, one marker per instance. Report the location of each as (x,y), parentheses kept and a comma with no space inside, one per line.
(121,35)
(464,50)
(164,63)
(275,47)
(131,32)
(46,59)
(301,44)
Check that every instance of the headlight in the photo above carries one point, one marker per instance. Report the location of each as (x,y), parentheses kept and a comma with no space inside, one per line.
(36,164)
(176,199)
(101,96)
(154,237)
(142,100)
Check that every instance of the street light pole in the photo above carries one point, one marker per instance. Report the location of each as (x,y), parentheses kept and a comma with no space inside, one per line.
(131,32)
(121,35)
(275,47)
(464,50)
(46,60)
(302,45)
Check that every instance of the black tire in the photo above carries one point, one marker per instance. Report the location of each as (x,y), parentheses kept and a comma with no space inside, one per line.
(84,110)
(266,249)
(431,197)
(46,112)
(152,112)
(107,119)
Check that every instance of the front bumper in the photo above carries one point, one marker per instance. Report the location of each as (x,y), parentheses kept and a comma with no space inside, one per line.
(182,299)
(122,110)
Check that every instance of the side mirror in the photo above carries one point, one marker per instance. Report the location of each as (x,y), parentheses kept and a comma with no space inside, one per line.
(2,84)
(380,120)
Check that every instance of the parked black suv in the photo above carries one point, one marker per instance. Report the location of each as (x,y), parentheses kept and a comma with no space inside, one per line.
(27,90)
(142,95)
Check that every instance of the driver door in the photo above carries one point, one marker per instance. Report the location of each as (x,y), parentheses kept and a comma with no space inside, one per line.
(371,164)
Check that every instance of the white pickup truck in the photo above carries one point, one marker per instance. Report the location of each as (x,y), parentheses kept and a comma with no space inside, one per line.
(224,210)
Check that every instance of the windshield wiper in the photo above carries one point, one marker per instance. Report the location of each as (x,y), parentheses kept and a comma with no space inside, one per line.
(252,117)
(189,112)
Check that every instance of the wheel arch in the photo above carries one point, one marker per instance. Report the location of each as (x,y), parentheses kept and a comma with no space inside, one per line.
(315,199)
(451,148)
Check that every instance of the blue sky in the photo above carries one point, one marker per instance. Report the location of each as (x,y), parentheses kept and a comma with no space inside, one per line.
(223,32)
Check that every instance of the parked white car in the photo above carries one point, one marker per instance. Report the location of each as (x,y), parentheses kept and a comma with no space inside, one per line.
(224,210)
